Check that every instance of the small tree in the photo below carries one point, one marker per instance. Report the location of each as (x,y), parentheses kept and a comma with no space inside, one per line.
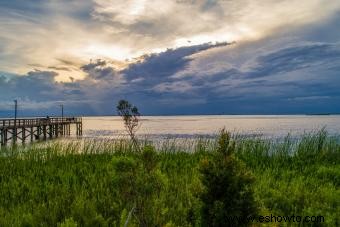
(228,186)
(130,115)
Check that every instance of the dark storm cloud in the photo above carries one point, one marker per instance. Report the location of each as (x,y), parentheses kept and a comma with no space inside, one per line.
(37,93)
(156,68)
(295,58)
(35,85)
(285,79)
(307,69)
(101,71)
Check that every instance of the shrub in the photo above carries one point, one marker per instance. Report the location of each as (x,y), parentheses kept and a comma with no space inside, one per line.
(227,186)
(139,182)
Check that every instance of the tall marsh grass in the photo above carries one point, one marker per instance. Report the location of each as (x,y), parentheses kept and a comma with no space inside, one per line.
(68,182)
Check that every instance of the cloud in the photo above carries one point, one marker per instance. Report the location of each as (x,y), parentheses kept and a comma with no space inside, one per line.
(155,68)
(103,81)
(163,55)
(41,32)
(295,58)
(101,71)
(179,86)
(214,20)
(36,85)
(153,84)
(288,71)
(310,98)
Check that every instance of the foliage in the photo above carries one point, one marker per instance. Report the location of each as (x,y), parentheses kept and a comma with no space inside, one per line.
(98,182)
(298,176)
(139,182)
(130,115)
(228,186)
(69,222)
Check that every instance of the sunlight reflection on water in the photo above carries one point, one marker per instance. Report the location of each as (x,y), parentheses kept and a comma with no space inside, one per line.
(268,126)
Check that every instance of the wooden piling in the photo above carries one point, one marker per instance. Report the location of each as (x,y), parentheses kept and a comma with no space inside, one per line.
(23,135)
(32,134)
(15,130)
(44,132)
(2,142)
(50,128)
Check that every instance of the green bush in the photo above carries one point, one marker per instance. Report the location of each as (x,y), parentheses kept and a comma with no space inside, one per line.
(139,182)
(227,186)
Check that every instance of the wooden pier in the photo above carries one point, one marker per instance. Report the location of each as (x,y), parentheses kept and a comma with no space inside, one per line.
(25,130)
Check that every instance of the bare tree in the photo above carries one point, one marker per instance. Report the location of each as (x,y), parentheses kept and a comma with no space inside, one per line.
(130,115)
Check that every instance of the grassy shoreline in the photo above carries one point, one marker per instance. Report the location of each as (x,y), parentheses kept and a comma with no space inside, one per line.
(63,184)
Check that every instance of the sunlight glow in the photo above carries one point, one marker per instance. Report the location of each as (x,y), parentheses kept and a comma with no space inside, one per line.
(239,33)
(69,76)
(137,7)
(104,51)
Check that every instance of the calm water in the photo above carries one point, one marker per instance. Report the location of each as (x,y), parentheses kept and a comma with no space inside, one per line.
(191,126)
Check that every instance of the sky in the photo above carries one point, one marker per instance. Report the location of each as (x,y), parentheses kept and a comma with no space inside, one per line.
(170,57)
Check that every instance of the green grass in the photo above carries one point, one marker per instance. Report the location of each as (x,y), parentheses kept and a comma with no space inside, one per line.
(68,182)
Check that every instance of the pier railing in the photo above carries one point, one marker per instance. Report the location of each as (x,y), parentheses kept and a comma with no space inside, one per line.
(29,122)
(31,129)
